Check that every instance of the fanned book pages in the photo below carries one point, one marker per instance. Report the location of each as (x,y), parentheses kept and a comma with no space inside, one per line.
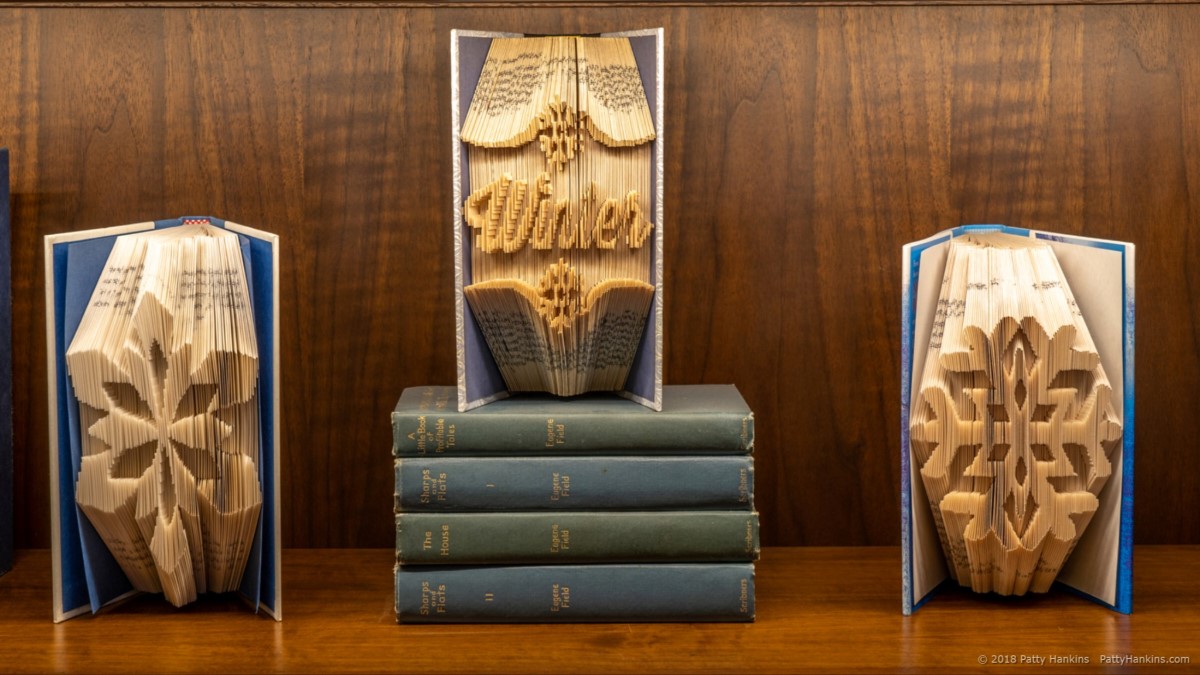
(559,138)
(162,340)
(165,368)
(1013,424)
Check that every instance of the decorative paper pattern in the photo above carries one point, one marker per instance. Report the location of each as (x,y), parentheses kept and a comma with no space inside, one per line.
(1014,423)
(165,368)
(559,138)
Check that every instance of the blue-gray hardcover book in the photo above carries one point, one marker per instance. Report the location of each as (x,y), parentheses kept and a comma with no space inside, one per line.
(575,593)
(564,537)
(570,483)
(709,419)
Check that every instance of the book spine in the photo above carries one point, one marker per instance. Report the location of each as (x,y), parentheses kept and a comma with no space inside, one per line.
(6,367)
(569,483)
(576,537)
(575,593)
(452,433)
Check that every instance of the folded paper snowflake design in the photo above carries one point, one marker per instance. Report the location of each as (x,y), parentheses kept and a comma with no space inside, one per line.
(558,138)
(165,369)
(1014,424)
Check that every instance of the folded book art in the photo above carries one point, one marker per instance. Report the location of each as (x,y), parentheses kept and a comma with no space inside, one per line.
(163,381)
(558,214)
(1018,400)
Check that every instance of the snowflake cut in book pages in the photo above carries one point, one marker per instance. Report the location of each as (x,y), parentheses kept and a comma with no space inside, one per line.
(1014,426)
(559,140)
(165,368)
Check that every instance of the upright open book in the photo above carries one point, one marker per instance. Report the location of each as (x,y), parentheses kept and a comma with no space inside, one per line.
(1017,407)
(164,418)
(558,214)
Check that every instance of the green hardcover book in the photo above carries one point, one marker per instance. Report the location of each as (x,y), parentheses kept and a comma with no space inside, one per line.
(576,537)
(575,483)
(695,419)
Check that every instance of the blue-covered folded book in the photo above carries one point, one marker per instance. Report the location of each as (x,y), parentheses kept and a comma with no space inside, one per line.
(86,575)
(1003,427)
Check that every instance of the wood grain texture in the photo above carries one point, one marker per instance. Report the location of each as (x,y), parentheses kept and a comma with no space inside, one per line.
(523,4)
(818,610)
(805,145)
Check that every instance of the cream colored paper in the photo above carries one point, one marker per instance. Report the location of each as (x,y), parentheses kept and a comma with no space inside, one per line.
(559,138)
(165,367)
(1013,424)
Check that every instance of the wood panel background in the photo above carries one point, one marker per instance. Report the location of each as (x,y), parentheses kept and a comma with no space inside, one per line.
(805,145)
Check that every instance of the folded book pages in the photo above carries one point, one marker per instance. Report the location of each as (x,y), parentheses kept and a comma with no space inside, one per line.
(1013,423)
(165,368)
(164,421)
(558,137)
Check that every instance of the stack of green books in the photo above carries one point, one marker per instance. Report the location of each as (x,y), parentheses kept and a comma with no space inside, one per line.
(594,508)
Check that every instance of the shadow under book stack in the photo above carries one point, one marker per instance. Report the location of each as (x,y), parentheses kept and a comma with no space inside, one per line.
(593,508)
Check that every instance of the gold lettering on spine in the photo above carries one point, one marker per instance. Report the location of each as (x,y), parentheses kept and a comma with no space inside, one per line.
(433,488)
(420,434)
(433,599)
(560,486)
(560,538)
(556,434)
(560,597)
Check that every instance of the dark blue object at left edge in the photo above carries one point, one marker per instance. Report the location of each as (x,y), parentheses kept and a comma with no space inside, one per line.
(6,458)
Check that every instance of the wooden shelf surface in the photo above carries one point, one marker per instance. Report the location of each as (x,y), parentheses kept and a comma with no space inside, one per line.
(819,609)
